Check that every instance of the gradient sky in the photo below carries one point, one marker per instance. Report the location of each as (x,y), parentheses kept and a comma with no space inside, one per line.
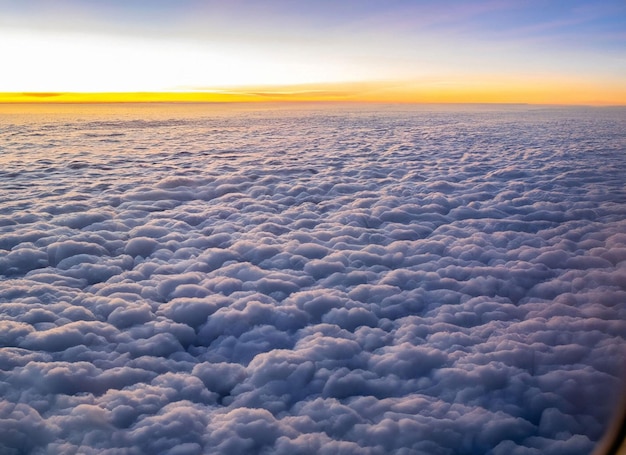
(546,51)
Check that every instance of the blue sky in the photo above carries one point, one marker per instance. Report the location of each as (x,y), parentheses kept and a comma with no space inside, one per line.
(290,42)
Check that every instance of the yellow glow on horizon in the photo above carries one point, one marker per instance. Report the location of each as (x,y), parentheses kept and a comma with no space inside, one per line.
(123,97)
(435,91)
(495,90)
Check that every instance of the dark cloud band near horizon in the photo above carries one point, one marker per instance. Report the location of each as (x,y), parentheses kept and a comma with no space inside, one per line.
(189,280)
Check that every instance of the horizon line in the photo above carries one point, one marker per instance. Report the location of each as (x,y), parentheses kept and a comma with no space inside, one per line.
(260,96)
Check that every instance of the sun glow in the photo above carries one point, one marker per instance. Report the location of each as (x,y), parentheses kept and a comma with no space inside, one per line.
(81,63)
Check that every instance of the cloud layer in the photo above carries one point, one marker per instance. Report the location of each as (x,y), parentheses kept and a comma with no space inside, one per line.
(311,281)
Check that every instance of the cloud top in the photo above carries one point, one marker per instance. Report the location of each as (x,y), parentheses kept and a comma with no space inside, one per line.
(312,281)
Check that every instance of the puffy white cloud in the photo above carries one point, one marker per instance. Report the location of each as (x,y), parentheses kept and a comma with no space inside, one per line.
(244,281)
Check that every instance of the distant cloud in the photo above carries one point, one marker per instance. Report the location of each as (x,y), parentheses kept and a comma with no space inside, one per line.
(41,94)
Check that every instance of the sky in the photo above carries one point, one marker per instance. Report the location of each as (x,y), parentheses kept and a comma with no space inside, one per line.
(537,51)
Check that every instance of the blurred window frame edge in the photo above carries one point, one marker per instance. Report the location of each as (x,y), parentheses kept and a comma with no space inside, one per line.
(614,440)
